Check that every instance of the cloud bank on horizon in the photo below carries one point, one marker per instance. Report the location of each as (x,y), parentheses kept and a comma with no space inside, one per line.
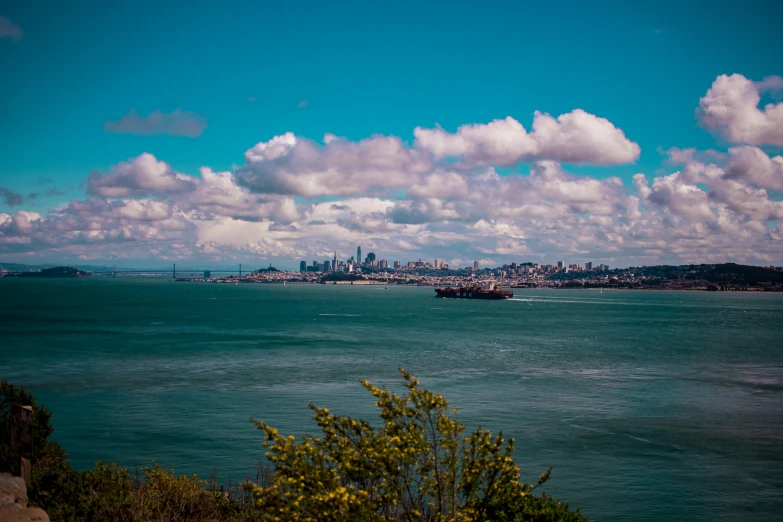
(495,191)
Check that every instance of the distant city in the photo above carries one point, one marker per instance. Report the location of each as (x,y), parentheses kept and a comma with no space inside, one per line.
(371,270)
(370,264)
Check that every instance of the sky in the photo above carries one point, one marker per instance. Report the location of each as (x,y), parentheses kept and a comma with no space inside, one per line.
(624,133)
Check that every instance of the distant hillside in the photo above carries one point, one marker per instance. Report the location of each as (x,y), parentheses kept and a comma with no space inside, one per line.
(739,274)
(20,267)
(722,274)
(714,273)
(56,272)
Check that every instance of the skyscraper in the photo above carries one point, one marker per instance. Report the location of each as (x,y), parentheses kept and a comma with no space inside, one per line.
(359,254)
(303,266)
(334,262)
(475,266)
(560,264)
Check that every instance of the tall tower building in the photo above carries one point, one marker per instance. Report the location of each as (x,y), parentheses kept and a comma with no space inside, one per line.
(359,254)
(303,266)
(475,266)
(334,262)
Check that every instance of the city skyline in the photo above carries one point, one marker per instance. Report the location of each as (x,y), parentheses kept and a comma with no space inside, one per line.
(373,263)
(433,133)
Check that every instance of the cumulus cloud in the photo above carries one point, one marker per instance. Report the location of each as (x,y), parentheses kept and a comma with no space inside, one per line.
(141,175)
(176,123)
(575,137)
(132,209)
(440,196)
(754,165)
(500,142)
(676,195)
(287,164)
(10,197)
(730,109)
(8,29)
(218,194)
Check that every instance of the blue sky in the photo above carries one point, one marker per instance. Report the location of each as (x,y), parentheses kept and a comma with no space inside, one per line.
(255,70)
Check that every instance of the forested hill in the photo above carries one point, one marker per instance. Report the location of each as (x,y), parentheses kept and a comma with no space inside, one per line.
(56,272)
(719,273)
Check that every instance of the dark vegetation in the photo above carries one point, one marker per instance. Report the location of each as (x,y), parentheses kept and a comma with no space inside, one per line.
(418,465)
(721,276)
(56,272)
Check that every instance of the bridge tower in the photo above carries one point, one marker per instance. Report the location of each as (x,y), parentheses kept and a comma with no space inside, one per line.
(175,271)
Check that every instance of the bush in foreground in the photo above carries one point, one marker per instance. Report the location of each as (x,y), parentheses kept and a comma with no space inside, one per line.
(417,466)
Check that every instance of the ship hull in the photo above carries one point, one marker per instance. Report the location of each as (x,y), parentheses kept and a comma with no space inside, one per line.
(472,293)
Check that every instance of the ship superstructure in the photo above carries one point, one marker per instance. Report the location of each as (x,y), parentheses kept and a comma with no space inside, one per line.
(492,291)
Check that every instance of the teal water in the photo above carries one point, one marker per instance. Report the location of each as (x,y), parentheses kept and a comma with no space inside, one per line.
(648,405)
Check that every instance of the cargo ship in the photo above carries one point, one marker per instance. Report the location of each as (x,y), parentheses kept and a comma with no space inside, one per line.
(474,292)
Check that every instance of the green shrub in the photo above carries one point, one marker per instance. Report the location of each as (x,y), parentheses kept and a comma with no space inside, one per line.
(42,428)
(416,466)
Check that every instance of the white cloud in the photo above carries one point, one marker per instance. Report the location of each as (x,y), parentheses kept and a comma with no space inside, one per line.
(730,108)
(217,193)
(290,165)
(440,197)
(754,165)
(500,142)
(575,137)
(141,175)
(176,123)
(580,137)
(748,201)
(673,193)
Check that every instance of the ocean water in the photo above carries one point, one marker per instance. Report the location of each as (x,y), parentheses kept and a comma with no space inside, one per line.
(648,405)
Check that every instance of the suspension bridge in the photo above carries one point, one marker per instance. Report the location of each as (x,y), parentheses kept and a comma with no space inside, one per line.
(173,270)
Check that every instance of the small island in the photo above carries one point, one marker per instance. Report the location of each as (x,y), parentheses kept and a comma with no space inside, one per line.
(56,272)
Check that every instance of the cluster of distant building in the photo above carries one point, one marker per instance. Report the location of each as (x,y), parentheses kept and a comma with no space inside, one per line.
(527,269)
(371,264)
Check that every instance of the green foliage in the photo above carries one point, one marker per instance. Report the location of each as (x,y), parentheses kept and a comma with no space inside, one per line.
(109,493)
(417,466)
(42,428)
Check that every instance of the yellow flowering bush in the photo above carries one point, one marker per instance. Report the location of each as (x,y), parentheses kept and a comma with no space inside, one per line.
(419,465)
